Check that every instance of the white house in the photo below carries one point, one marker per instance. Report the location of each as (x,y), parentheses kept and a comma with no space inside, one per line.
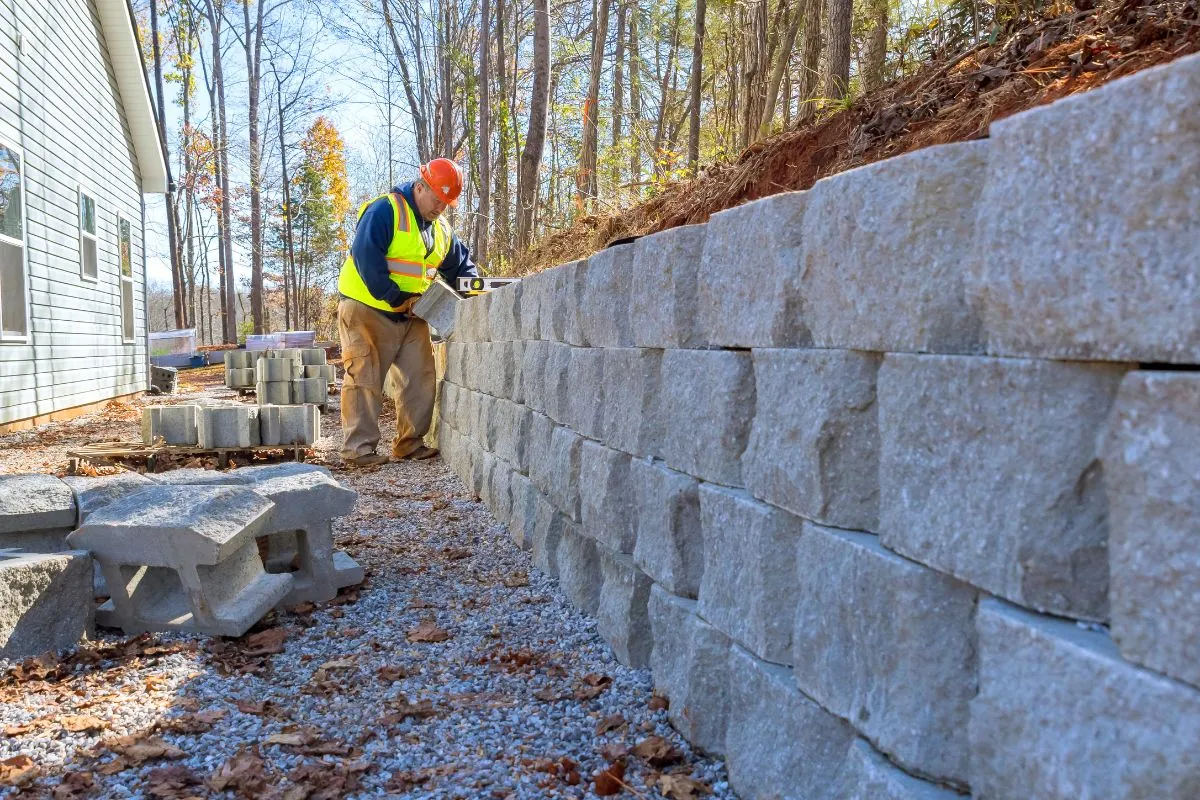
(79,147)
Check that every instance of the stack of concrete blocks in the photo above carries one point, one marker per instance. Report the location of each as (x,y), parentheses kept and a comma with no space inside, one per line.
(45,587)
(906,511)
(231,426)
(282,377)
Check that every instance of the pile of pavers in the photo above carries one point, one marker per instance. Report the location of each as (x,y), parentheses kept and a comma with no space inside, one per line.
(282,377)
(188,550)
(231,426)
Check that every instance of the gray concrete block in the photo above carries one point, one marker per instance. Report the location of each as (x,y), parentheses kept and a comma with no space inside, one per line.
(496,490)
(552,281)
(286,469)
(471,319)
(313,356)
(534,358)
(277,369)
(710,394)
(294,354)
(224,426)
(523,519)
(989,471)
(585,398)
(1152,477)
(326,371)
(437,307)
(557,384)
(95,493)
(175,425)
(604,312)
(548,526)
(869,776)
(485,431)
(690,665)
(633,414)
(537,451)
(571,290)
(662,313)
(449,397)
(45,601)
(240,359)
(814,441)
(31,503)
(240,378)
(669,544)
(748,590)
(1087,247)
(533,293)
(886,249)
(734,311)
(198,476)
(579,569)
(887,644)
(622,618)
(455,356)
(779,744)
(314,391)
(510,433)
(502,313)
(515,361)
(275,393)
(1060,716)
(565,451)
(607,508)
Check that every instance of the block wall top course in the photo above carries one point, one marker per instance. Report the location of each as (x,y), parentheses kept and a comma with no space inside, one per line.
(604,310)
(30,503)
(662,311)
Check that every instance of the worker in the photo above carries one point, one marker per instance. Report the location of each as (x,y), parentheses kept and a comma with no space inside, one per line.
(400,246)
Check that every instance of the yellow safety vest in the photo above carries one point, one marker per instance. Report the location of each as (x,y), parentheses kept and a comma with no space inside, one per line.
(411,267)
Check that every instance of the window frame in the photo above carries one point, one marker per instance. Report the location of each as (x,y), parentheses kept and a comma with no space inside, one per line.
(6,337)
(82,192)
(124,219)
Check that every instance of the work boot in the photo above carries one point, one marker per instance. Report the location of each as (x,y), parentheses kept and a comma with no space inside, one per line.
(369,460)
(420,454)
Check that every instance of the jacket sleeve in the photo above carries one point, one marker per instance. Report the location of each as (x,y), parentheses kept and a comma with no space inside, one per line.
(371,242)
(458,263)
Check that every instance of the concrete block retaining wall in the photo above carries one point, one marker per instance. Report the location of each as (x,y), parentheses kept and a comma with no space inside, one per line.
(831,466)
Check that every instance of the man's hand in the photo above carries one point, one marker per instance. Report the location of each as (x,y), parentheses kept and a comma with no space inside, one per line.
(406,306)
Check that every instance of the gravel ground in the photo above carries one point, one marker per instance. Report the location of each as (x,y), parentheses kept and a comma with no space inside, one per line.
(516,697)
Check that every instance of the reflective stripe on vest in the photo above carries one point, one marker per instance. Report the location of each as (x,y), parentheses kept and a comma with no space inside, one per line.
(410,267)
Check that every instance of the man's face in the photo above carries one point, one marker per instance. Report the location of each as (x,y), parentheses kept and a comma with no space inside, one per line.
(428,203)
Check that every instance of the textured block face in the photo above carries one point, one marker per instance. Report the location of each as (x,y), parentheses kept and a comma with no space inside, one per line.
(30,503)
(571,286)
(437,306)
(498,496)
(669,545)
(749,584)
(690,664)
(510,432)
(604,312)
(226,426)
(886,252)
(1108,218)
(524,511)
(514,362)
(547,531)
(556,381)
(586,390)
(173,424)
(814,442)
(471,319)
(565,447)
(607,497)
(239,359)
(532,292)
(623,618)
(534,357)
(94,493)
(717,390)
(736,312)
(45,602)
(664,314)
(779,743)
(314,391)
(632,403)
(537,451)
(887,644)
(869,776)
(1061,716)
(552,281)
(326,371)
(579,569)
(502,313)
(304,500)
(1152,477)
(456,353)
(1017,508)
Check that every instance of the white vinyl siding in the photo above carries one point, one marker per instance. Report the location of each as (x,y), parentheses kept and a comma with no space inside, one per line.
(14,308)
(89,259)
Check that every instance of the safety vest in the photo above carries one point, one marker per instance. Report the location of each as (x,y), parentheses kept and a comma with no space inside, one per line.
(411,267)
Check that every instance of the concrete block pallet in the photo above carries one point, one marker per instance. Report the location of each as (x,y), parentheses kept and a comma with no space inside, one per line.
(288,376)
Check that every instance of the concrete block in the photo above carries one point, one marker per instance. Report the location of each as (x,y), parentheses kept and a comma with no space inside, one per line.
(537,451)
(510,436)
(313,356)
(175,425)
(886,250)
(314,391)
(690,665)
(604,312)
(516,377)
(34,503)
(437,307)
(95,493)
(565,451)
(663,311)
(779,743)
(497,487)
(548,526)
(1087,247)
(274,393)
(294,354)
(534,357)
(669,545)
(523,519)
(585,398)
(286,469)
(633,414)
(988,471)
(240,378)
(887,644)
(1060,716)
(471,319)
(622,618)
(1152,477)
(571,289)
(223,426)
(455,355)
(198,476)
(239,359)
(709,395)
(748,590)
(814,441)
(278,369)
(502,313)
(486,431)
(163,378)
(736,311)
(869,776)
(579,569)
(45,601)
(607,503)
(557,384)
(326,371)
(548,315)
(533,293)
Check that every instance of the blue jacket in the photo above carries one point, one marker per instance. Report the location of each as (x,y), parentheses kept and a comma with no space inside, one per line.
(372,239)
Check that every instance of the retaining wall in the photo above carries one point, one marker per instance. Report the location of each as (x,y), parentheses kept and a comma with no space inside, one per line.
(893,483)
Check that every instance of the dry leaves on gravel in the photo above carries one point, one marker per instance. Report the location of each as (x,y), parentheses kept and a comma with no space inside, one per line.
(244,773)
(611,780)
(682,787)
(18,771)
(591,686)
(657,751)
(174,782)
(137,750)
(75,786)
(428,631)
(610,723)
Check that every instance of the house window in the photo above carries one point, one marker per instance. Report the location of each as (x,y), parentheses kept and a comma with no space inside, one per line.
(89,265)
(125,249)
(14,322)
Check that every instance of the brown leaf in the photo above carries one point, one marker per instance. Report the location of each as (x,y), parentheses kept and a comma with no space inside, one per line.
(417,603)
(336,664)
(658,703)
(147,749)
(390,673)
(682,787)
(657,751)
(82,723)
(548,694)
(614,751)
(244,772)
(303,608)
(18,771)
(516,580)
(265,643)
(609,723)
(113,767)
(572,778)
(428,631)
(74,786)
(456,553)
(611,780)
(174,781)
(257,708)
(592,686)
(404,709)
(295,739)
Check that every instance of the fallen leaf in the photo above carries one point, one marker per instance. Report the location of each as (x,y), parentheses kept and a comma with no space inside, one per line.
(682,787)
(289,739)
(303,608)
(265,643)
(609,723)
(74,786)
(258,708)
(658,703)
(404,709)
(516,580)
(392,673)
(17,771)
(548,694)
(323,671)
(592,686)
(244,772)
(113,767)
(657,751)
(417,603)
(428,631)
(614,751)
(174,781)
(611,780)
(456,553)
(147,749)
(82,723)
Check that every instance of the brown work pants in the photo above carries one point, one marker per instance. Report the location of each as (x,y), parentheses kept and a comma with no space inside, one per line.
(373,345)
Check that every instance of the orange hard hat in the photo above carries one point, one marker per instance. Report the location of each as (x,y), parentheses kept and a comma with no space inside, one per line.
(445,178)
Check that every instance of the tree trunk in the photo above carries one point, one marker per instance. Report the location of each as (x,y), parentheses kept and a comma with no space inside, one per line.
(253,45)
(807,89)
(485,137)
(501,202)
(289,267)
(586,180)
(781,66)
(618,101)
(836,78)
(694,88)
(415,107)
(172,212)
(535,139)
(873,72)
(635,98)
(229,328)
(664,91)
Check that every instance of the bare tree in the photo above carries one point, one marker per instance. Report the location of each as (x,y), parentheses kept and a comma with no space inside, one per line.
(783,58)
(694,88)
(172,209)
(811,48)
(835,80)
(586,181)
(485,136)
(535,139)
(873,65)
